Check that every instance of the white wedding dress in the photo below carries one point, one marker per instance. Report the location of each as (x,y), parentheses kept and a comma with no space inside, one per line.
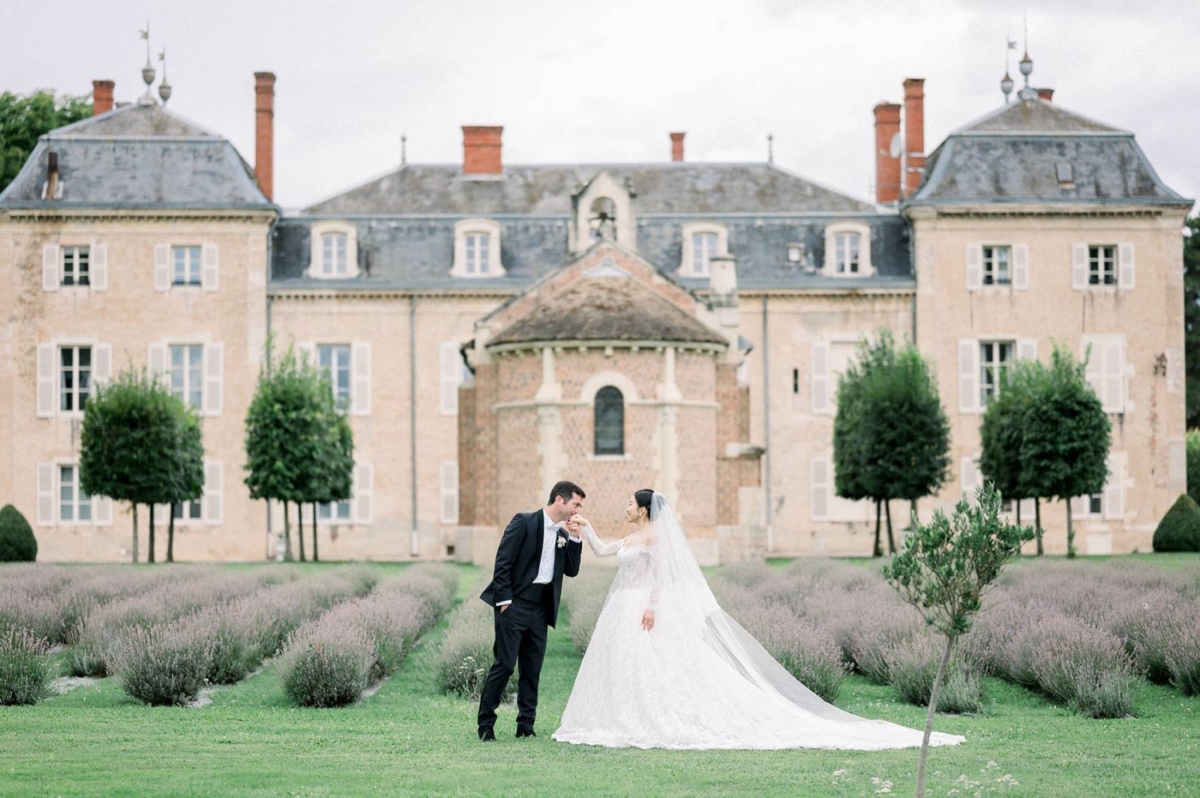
(697,680)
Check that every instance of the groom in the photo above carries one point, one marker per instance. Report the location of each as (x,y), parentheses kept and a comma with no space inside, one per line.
(536,551)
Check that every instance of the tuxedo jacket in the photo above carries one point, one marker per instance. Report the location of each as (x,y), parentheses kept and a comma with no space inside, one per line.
(519,556)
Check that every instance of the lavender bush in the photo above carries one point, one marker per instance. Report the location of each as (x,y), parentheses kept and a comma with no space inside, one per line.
(913,665)
(1085,667)
(162,665)
(25,670)
(327,665)
(465,656)
(1183,653)
(805,649)
(582,603)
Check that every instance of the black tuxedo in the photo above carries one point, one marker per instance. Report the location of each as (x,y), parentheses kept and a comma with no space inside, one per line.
(521,628)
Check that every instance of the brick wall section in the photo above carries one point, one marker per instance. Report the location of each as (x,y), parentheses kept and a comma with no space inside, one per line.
(733,426)
(467,456)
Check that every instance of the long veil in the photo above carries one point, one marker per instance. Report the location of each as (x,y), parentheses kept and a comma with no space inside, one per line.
(679,581)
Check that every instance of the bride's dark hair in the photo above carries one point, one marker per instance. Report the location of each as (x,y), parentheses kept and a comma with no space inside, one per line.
(643,497)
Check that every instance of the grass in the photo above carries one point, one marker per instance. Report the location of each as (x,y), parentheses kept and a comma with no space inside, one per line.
(406,739)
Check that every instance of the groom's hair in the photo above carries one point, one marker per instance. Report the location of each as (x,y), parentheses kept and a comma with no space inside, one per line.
(566,490)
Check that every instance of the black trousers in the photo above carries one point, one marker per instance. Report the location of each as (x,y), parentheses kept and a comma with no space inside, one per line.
(520,641)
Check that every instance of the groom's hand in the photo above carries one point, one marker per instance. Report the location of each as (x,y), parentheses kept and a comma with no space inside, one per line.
(504,607)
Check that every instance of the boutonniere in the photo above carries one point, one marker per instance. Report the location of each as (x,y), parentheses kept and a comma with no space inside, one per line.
(562,541)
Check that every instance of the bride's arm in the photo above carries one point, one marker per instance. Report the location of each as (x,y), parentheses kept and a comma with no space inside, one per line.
(600,548)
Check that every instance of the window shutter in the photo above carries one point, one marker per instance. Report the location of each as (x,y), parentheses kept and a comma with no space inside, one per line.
(213,503)
(970,477)
(968,375)
(1079,267)
(974,267)
(364,487)
(99,267)
(45,494)
(46,383)
(819,509)
(1021,267)
(210,266)
(157,360)
(1027,349)
(101,364)
(451,371)
(1114,376)
(162,267)
(102,510)
(50,267)
(449,492)
(1079,507)
(306,512)
(1125,267)
(162,514)
(1028,511)
(360,368)
(820,377)
(1114,487)
(214,368)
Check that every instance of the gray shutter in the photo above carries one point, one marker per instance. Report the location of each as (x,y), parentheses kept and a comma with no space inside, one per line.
(50,267)
(1021,267)
(214,371)
(101,364)
(974,260)
(360,378)
(1125,271)
(968,375)
(162,267)
(46,383)
(364,489)
(213,503)
(820,378)
(99,267)
(45,494)
(1079,267)
(819,489)
(210,267)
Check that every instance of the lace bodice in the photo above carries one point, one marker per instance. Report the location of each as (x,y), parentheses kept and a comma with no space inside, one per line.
(635,563)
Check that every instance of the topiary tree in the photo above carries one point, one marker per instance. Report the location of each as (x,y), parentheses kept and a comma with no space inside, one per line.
(187,483)
(128,444)
(944,572)
(893,440)
(332,479)
(1179,529)
(1065,435)
(1002,432)
(17,543)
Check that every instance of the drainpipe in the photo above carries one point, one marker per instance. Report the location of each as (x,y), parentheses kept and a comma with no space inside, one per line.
(766,344)
(270,252)
(412,415)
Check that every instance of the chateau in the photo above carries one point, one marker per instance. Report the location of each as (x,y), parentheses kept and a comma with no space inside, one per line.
(490,328)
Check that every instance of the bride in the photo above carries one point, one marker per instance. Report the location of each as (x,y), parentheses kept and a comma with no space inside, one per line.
(667,668)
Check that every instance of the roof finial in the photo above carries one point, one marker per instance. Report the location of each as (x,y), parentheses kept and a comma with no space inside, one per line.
(1006,83)
(164,88)
(148,70)
(1026,66)
(403,150)
(771,148)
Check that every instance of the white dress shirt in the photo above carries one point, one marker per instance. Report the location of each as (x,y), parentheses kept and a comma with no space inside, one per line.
(549,545)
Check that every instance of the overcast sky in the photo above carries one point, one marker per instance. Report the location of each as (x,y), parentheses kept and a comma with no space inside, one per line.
(605,81)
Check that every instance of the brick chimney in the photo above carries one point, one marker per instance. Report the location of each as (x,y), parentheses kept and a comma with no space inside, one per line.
(102,96)
(1045,94)
(914,134)
(482,150)
(677,146)
(887,165)
(264,132)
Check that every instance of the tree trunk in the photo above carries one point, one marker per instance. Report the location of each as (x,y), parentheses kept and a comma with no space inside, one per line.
(1037,523)
(287,535)
(1070,532)
(135,535)
(887,508)
(150,553)
(933,699)
(878,551)
(171,537)
(315,558)
(300,527)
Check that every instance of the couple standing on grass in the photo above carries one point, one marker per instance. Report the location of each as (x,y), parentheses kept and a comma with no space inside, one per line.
(666,666)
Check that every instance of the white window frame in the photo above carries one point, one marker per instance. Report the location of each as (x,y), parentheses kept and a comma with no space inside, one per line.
(76,502)
(991,266)
(1111,497)
(1123,266)
(77,410)
(192,511)
(998,366)
(977,266)
(1108,370)
(316,257)
(343,402)
(473,227)
(190,268)
(863,231)
(64,261)
(188,388)
(335,513)
(688,253)
(212,372)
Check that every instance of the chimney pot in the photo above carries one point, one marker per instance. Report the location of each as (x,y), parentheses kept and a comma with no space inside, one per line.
(677,146)
(102,96)
(482,149)
(914,134)
(1045,94)
(264,132)
(887,159)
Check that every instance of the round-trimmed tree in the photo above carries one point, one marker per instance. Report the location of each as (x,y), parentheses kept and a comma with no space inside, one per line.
(1179,529)
(17,543)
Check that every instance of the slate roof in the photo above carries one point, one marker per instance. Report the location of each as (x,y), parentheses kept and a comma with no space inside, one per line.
(1013,156)
(675,187)
(137,156)
(607,309)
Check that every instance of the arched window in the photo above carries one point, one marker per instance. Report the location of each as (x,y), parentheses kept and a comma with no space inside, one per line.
(610,421)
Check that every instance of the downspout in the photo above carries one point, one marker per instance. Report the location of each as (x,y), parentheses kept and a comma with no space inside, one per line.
(766,344)
(270,255)
(412,416)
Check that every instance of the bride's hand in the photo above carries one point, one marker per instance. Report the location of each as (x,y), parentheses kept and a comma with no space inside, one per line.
(576,523)
(648,620)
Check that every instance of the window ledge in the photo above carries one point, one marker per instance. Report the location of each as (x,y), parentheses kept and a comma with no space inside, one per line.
(616,458)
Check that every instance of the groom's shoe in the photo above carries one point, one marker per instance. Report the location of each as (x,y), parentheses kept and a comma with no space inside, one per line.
(527,732)
(486,734)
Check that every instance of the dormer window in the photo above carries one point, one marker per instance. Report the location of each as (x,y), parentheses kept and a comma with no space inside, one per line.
(848,250)
(702,241)
(334,254)
(477,249)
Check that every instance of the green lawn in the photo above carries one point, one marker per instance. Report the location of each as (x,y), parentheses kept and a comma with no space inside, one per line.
(407,739)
